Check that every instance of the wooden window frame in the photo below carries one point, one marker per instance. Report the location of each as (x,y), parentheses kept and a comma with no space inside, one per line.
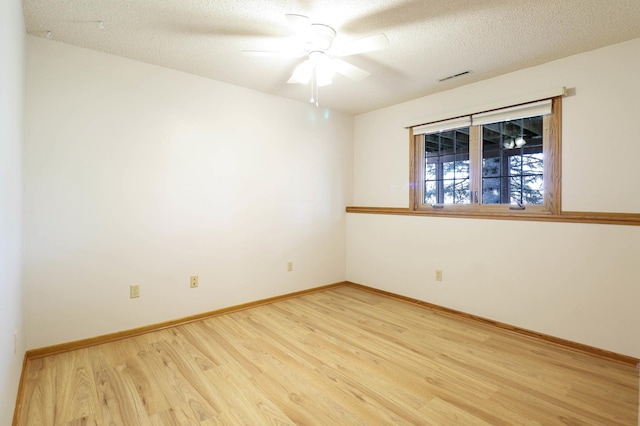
(552,175)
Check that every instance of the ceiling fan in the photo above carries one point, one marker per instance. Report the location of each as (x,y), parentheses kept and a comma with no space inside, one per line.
(315,41)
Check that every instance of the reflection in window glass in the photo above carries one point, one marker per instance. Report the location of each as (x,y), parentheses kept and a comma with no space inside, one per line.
(512,162)
(447,167)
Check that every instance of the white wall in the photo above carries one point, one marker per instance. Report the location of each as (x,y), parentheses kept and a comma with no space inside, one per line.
(574,281)
(140,174)
(12,47)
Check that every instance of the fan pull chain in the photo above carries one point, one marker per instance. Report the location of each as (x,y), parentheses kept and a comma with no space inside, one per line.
(314,88)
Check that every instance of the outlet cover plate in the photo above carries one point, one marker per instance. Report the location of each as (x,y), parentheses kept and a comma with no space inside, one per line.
(134,291)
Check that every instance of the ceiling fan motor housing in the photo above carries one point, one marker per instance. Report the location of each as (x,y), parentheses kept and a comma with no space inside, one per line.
(319,38)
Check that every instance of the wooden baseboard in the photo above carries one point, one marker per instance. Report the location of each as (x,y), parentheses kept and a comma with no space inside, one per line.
(591,350)
(98,340)
(19,396)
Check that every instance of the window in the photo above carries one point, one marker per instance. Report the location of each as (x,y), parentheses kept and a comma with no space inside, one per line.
(503,161)
(447,167)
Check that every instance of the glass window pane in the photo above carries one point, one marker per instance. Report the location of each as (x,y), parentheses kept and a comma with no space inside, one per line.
(447,167)
(528,179)
(491,191)
(513,162)
(491,182)
(430,192)
(430,172)
(448,191)
(491,167)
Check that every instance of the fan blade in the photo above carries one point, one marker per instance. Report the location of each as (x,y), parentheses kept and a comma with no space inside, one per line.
(364,45)
(348,70)
(274,54)
(302,73)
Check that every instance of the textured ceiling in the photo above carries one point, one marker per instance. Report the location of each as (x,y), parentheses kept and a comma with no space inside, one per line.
(429,39)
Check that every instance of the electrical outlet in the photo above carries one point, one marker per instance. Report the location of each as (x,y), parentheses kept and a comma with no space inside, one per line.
(438,274)
(134,291)
(193,281)
(289,266)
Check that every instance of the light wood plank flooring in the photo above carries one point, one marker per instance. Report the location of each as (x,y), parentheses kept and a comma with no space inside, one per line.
(343,356)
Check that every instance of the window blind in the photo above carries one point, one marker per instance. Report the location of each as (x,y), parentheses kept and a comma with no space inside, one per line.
(441,126)
(480,109)
(520,111)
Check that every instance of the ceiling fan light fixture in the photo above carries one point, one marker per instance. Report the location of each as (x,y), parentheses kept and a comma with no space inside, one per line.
(508,144)
(323,67)
(324,79)
(302,73)
(520,142)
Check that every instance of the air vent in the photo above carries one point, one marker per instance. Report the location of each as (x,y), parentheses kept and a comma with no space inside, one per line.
(460,74)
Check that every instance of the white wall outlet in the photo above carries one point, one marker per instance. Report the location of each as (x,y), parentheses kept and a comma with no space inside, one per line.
(438,274)
(289,266)
(134,291)
(193,281)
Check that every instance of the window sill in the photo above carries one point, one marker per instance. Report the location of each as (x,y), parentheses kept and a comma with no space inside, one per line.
(603,218)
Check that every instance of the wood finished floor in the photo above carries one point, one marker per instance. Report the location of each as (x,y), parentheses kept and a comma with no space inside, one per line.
(343,356)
